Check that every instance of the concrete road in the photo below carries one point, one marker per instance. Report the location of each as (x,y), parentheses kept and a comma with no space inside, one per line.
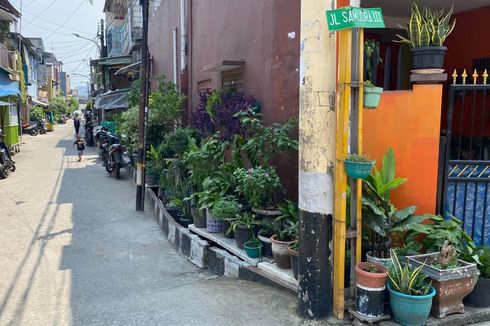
(73,251)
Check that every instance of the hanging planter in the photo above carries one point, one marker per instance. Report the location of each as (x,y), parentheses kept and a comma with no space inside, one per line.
(358,166)
(372,95)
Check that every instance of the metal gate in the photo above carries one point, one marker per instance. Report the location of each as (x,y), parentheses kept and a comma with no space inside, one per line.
(465,171)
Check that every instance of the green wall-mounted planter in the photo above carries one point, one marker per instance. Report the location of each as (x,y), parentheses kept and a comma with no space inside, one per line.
(372,96)
(358,170)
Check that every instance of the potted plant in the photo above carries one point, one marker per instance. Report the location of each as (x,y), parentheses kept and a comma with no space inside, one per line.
(281,240)
(372,94)
(225,209)
(152,164)
(358,166)
(266,231)
(207,199)
(427,30)
(293,256)
(452,278)
(259,186)
(410,294)
(244,228)
(370,289)
(253,247)
(382,220)
(480,296)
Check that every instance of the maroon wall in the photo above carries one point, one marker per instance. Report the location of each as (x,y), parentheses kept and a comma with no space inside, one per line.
(161,24)
(265,34)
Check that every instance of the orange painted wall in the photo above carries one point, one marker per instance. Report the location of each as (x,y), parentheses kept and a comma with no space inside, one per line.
(409,122)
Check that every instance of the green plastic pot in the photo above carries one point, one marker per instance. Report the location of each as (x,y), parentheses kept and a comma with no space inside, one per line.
(358,170)
(253,249)
(372,96)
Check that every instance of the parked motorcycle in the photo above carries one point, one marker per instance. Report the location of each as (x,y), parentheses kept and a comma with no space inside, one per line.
(30,129)
(89,134)
(43,126)
(115,160)
(6,164)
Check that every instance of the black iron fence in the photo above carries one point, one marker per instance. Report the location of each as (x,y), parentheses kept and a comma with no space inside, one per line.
(465,170)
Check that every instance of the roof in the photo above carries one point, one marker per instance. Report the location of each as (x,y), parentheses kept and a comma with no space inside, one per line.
(7,6)
(37,43)
(113,61)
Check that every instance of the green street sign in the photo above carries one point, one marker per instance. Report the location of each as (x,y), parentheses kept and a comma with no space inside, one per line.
(352,17)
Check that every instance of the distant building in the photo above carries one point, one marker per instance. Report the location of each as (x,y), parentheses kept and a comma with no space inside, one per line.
(65,84)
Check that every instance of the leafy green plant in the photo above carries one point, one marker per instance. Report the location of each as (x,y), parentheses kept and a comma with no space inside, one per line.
(179,141)
(220,184)
(289,212)
(258,185)
(358,158)
(483,253)
(431,236)
(247,220)
(37,114)
(371,268)
(205,160)
(427,27)
(261,143)
(288,231)
(380,216)
(267,229)
(226,208)
(407,280)
(152,159)
(180,192)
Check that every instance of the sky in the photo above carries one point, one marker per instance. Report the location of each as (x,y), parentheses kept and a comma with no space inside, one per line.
(55,21)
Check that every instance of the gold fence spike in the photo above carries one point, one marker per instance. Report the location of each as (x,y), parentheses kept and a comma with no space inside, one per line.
(455,76)
(464,75)
(475,77)
(485,76)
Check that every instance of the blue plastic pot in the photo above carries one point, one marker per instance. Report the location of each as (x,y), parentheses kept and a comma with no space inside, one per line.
(358,170)
(410,310)
(372,96)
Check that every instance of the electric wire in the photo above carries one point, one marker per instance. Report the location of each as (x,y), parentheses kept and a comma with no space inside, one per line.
(66,20)
(55,24)
(42,12)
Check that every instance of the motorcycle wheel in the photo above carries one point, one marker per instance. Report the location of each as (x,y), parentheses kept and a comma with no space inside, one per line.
(34,132)
(3,172)
(13,168)
(109,169)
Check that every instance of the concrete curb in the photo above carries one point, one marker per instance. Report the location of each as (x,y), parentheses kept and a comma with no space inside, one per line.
(199,252)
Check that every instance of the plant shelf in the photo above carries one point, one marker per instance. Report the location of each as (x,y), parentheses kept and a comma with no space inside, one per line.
(228,244)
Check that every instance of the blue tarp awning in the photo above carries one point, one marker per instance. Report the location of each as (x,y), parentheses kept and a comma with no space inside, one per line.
(8,87)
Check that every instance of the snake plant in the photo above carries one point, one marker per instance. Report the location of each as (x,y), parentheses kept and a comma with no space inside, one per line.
(406,279)
(427,27)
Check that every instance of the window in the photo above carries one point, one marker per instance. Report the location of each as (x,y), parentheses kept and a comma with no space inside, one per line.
(232,79)
(204,86)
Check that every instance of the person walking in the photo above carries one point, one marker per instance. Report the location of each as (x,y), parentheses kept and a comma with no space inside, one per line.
(76,123)
(80,147)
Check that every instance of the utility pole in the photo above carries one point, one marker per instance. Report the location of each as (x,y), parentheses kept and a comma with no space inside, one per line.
(317,132)
(140,172)
(103,54)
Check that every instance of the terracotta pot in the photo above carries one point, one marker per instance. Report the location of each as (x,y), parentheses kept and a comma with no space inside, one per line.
(280,252)
(369,279)
(452,285)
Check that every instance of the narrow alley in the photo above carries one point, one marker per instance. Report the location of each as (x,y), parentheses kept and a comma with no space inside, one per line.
(74,252)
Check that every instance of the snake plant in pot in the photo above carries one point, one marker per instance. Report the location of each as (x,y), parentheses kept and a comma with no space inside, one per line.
(410,294)
(426,32)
